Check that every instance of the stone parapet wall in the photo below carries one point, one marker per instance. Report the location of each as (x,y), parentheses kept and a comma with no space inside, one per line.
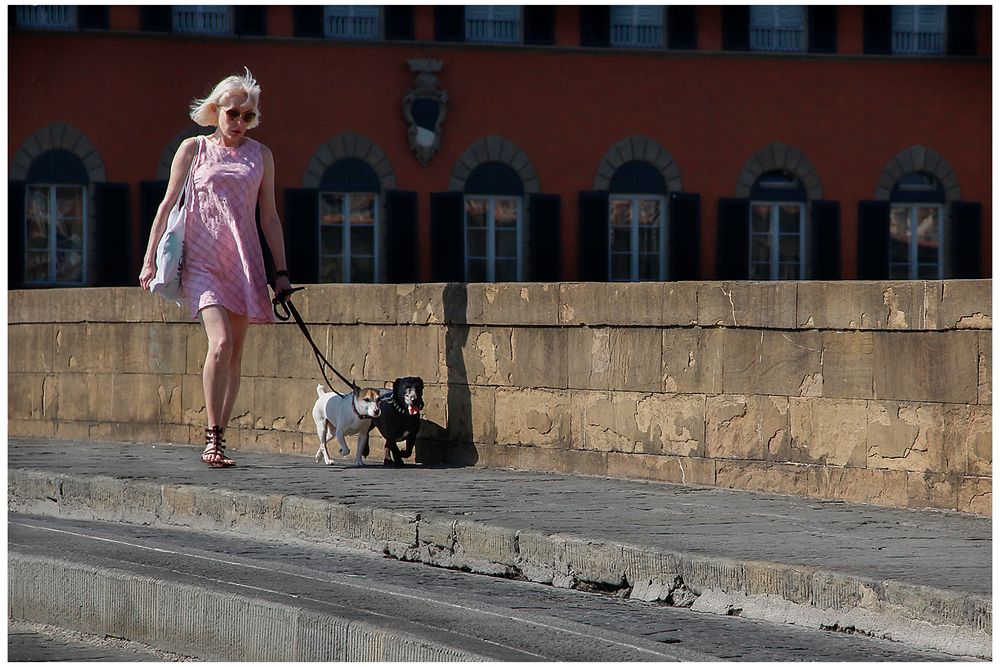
(875,392)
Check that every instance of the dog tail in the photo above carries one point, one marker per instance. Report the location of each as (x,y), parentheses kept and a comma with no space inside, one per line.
(319,390)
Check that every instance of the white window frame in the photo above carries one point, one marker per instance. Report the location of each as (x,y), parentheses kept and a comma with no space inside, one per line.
(482,25)
(774,238)
(53,224)
(491,237)
(352,17)
(919,29)
(191,19)
(636,32)
(46,17)
(776,28)
(634,200)
(345,230)
(912,255)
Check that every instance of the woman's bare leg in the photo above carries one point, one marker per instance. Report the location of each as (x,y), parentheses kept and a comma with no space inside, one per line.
(238,326)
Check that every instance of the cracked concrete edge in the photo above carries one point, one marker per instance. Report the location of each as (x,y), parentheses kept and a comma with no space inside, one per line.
(171,615)
(885,609)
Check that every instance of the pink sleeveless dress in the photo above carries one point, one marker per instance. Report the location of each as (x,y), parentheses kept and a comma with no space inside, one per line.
(223,261)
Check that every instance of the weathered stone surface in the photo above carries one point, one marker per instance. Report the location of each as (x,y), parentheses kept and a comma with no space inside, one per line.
(536,417)
(985,368)
(615,358)
(935,490)
(538,357)
(535,304)
(966,304)
(479,356)
(772,363)
(424,304)
(31,348)
(639,423)
(934,366)
(160,349)
(967,434)
(565,461)
(848,360)
(659,468)
(906,436)
(84,348)
(32,396)
(285,405)
(745,304)
(583,303)
(692,360)
(975,495)
(827,431)
(84,397)
(905,305)
(746,427)
(828,305)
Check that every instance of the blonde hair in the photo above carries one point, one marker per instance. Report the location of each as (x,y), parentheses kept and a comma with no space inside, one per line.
(246,85)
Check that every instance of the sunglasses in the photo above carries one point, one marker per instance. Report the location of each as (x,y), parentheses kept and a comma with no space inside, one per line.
(234,115)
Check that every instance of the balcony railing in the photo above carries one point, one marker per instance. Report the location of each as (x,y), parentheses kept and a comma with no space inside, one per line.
(917,42)
(639,36)
(59,17)
(352,27)
(492,30)
(777,39)
(204,21)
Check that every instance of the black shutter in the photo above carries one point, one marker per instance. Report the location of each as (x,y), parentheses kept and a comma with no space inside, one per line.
(682,27)
(546,238)
(398,22)
(93,17)
(878,29)
(685,235)
(15,234)
(308,20)
(114,233)
(736,28)
(595,25)
(151,194)
(873,240)
(449,23)
(966,239)
(732,242)
(961,22)
(822,28)
(825,240)
(447,237)
(301,225)
(401,236)
(594,237)
(251,20)
(539,24)
(156,18)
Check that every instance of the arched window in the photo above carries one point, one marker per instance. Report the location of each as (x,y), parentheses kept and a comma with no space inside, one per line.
(916,227)
(494,224)
(637,212)
(777,227)
(55,221)
(349,225)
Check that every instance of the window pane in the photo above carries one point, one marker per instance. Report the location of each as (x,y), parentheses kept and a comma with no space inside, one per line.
(506,241)
(899,272)
(505,214)
(37,215)
(476,243)
(760,248)
(331,209)
(760,271)
(38,234)
(362,241)
(788,249)
(788,219)
(649,267)
(69,266)
(475,213)
(760,219)
(928,272)
(649,212)
(362,269)
(788,271)
(899,234)
(475,270)
(621,266)
(649,240)
(621,213)
(37,267)
(621,239)
(362,209)
(506,270)
(331,240)
(331,270)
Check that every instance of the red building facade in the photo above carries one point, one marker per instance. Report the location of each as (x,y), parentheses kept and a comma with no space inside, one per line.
(537,142)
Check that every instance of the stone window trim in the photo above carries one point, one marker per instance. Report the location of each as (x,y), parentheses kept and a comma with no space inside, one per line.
(779,157)
(921,159)
(638,147)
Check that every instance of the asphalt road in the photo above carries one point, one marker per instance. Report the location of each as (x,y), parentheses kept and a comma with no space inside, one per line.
(515,620)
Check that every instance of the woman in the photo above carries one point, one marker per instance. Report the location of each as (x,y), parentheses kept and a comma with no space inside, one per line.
(223,276)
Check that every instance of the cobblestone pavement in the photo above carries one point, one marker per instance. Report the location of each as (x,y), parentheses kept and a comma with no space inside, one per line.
(943,550)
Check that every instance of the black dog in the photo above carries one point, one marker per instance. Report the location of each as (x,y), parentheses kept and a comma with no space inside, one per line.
(399,418)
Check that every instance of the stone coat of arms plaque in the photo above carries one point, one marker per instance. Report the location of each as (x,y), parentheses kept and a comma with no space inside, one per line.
(425,108)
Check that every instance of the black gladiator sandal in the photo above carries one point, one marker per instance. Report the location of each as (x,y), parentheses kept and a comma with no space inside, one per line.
(215,450)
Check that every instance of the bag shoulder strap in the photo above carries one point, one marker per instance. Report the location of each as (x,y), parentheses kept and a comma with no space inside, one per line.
(188,180)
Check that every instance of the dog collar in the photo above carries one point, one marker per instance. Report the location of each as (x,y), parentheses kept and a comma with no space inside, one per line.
(399,408)
(355,408)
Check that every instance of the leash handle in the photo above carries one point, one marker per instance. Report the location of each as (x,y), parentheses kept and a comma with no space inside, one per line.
(282,299)
(286,304)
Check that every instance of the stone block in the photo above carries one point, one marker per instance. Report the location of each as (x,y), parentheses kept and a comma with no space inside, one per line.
(692,360)
(84,397)
(638,423)
(747,427)
(523,304)
(673,469)
(279,350)
(769,305)
(193,400)
(613,358)
(86,348)
(536,417)
(32,396)
(785,363)
(931,366)
(967,437)
(903,305)
(493,544)
(197,349)
(436,531)
(632,304)
(848,360)
(985,368)
(470,414)
(284,405)
(975,495)
(159,348)
(539,357)
(932,490)
(481,356)
(424,304)
(966,304)
(828,431)
(30,428)
(564,461)
(861,485)
(347,348)
(30,348)
(422,358)
(907,436)
(828,305)
(583,303)
(680,304)
(143,398)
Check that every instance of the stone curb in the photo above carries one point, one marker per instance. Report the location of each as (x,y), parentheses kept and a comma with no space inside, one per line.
(171,616)
(923,617)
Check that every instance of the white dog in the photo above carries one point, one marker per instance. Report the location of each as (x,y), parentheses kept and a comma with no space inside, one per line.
(339,415)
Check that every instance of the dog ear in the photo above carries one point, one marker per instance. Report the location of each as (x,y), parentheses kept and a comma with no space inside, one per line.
(420,383)
(395,385)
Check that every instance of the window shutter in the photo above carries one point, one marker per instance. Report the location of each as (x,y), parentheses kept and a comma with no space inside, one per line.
(15,234)
(398,22)
(822,29)
(736,28)
(595,25)
(961,30)
(873,240)
(682,27)
(114,232)
(401,236)
(93,17)
(251,20)
(151,193)
(539,24)
(685,235)
(825,240)
(878,29)
(966,239)
(301,225)
(449,23)
(732,242)
(594,236)
(546,238)
(308,20)
(447,237)
(156,18)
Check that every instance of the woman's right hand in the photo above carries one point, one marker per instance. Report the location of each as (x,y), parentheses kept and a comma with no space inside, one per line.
(147,274)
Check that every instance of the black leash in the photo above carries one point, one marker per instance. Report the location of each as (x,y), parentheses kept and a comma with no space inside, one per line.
(285,302)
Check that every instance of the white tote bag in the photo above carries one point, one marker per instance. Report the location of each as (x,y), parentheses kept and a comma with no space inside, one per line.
(170,249)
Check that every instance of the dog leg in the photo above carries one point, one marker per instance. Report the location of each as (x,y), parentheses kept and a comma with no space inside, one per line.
(324,436)
(362,448)
(344,449)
